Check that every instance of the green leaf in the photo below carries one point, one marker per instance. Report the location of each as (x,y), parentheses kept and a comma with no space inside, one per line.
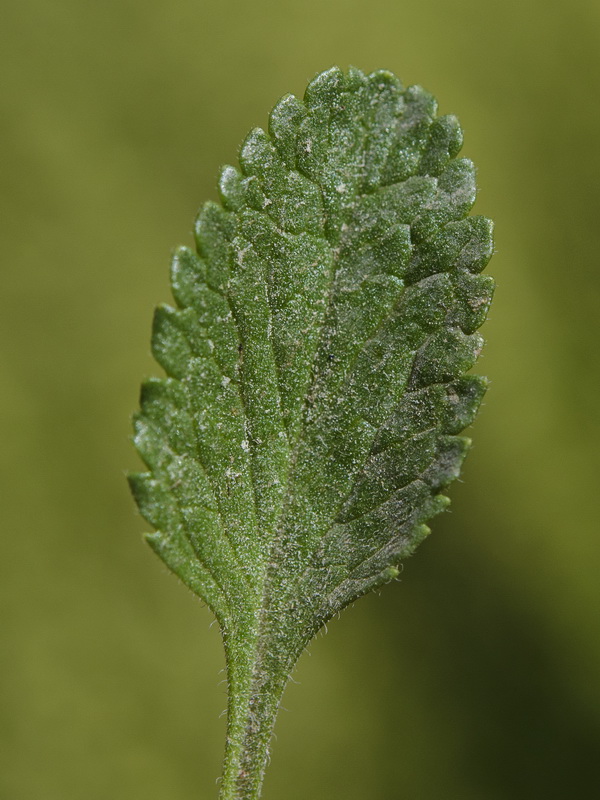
(315,387)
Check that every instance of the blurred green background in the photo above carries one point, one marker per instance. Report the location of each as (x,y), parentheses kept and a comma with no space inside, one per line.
(478,676)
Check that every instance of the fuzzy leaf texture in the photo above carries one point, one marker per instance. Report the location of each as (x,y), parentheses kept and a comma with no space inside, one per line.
(316,385)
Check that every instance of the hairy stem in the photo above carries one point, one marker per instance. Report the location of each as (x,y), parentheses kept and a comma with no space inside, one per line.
(256,685)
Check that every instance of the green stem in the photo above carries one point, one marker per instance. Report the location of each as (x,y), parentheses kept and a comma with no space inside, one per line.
(256,685)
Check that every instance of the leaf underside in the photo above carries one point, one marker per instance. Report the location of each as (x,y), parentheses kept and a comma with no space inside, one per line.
(316,357)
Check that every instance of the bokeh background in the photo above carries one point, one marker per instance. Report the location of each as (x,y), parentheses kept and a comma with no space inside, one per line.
(476,677)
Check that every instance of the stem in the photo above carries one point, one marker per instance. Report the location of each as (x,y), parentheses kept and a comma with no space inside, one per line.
(256,685)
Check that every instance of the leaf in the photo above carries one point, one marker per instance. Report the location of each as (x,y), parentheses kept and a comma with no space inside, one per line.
(316,385)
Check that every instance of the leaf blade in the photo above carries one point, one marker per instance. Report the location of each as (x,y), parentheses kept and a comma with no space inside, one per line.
(316,366)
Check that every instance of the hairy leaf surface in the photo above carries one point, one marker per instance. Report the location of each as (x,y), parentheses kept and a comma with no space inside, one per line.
(315,363)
